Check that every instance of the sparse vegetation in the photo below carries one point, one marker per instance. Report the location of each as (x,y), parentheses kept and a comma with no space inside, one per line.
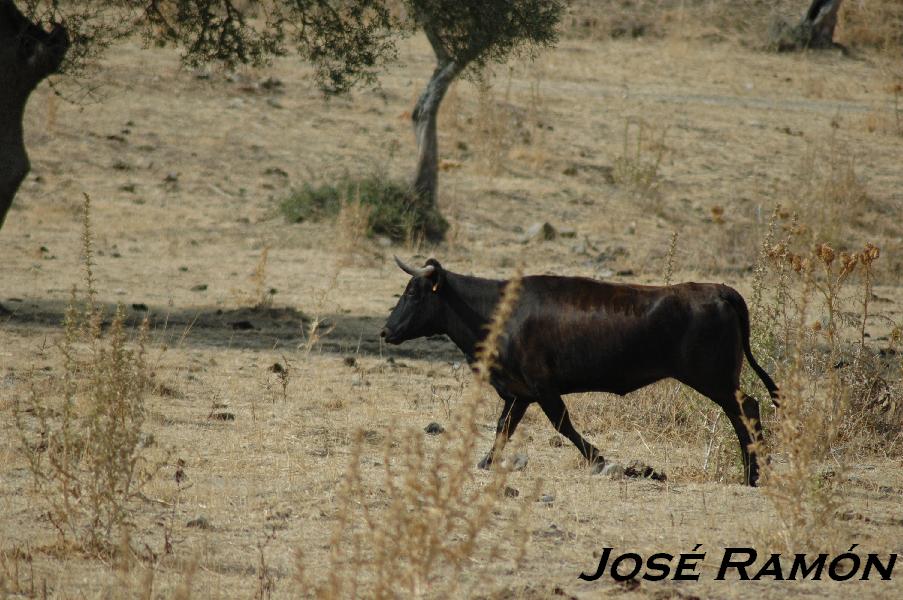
(828,194)
(81,431)
(295,430)
(439,516)
(392,210)
(638,165)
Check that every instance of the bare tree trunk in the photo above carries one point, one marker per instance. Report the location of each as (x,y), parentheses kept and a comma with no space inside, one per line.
(815,29)
(28,54)
(425,114)
(424,117)
(821,19)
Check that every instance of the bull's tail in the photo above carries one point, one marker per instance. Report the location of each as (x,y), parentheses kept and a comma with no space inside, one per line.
(736,300)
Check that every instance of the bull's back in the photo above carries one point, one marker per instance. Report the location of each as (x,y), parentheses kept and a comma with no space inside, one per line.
(573,335)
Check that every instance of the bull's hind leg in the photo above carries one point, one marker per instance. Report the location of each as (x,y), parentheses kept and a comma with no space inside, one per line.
(744,416)
(557,413)
(512,413)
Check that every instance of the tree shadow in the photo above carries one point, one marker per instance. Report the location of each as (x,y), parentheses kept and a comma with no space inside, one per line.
(264,328)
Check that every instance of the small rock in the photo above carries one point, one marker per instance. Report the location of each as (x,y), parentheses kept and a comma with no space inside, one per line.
(200,523)
(222,416)
(539,232)
(556,441)
(519,462)
(567,232)
(511,492)
(274,103)
(642,470)
(609,469)
(271,83)
(383,241)
(546,499)
(434,428)
(275,171)
(236,103)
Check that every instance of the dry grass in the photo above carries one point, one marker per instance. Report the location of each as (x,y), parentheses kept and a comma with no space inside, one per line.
(431,515)
(829,195)
(241,497)
(871,23)
(638,165)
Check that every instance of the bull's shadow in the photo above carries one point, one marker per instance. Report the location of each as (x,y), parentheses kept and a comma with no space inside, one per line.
(265,328)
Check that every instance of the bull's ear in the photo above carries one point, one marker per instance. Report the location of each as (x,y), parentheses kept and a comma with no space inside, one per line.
(437,277)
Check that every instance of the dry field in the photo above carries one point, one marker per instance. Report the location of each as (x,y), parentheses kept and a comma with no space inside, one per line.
(622,141)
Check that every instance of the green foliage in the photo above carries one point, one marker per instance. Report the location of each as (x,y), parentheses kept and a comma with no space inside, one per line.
(393,210)
(348,41)
(477,31)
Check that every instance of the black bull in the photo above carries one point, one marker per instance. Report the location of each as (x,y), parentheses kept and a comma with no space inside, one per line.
(572,334)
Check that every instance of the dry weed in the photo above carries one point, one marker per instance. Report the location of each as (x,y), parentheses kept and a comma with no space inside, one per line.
(872,23)
(829,195)
(638,166)
(828,377)
(81,430)
(430,516)
(260,295)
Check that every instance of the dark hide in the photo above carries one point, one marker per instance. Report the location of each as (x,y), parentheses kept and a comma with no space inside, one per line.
(28,54)
(570,334)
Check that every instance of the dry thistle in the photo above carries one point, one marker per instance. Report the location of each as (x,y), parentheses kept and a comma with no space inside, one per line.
(80,432)
(669,265)
(488,350)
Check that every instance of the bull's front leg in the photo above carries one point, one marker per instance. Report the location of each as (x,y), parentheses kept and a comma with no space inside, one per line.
(557,412)
(512,413)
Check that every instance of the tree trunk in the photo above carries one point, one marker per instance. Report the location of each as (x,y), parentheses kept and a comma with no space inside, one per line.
(425,114)
(814,30)
(28,54)
(424,117)
(820,21)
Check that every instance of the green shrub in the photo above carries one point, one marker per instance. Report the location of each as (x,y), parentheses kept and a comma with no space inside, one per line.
(393,209)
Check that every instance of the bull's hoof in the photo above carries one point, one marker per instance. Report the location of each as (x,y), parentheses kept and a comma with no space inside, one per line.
(610,469)
(485,463)
(597,463)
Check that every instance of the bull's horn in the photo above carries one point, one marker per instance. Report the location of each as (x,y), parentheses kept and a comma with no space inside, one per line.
(414,272)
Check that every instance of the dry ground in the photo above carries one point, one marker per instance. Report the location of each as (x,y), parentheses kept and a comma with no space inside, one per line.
(185,174)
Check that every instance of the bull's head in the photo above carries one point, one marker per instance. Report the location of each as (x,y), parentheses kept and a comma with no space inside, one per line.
(419,310)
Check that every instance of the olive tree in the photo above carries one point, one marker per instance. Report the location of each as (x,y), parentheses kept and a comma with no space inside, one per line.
(468,34)
(348,41)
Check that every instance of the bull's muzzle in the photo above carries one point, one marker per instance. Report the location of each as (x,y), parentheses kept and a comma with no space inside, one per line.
(386,334)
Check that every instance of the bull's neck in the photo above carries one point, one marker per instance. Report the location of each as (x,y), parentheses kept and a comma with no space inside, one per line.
(470,302)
